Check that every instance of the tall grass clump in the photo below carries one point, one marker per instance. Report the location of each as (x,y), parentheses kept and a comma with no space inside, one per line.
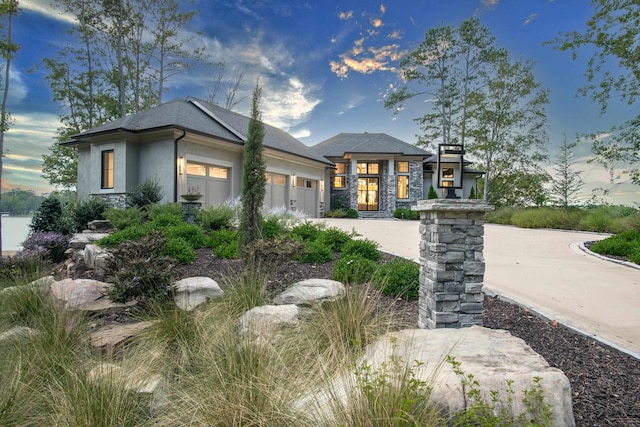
(245,291)
(24,267)
(567,219)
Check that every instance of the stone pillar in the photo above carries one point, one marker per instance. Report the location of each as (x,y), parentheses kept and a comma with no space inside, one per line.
(190,211)
(452,263)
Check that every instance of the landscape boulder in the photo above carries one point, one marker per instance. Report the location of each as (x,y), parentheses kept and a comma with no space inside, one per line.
(261,323)
(193,291)
(96,259)
(80,240)
(310,292)
(493,357)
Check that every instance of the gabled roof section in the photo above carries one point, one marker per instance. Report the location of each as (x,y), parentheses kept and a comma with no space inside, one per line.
(274,138)
(369,143)
(197,116)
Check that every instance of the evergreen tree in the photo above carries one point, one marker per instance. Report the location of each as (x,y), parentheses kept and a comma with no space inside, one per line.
(566,182)
(253,179)
(472,193)
(432,193)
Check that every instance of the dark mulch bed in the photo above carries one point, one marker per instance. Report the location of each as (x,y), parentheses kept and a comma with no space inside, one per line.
(605,382)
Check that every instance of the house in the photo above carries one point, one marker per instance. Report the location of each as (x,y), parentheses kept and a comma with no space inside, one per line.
(376,173)
(192,145)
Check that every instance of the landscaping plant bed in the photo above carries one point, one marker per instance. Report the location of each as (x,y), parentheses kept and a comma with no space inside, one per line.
(605,383)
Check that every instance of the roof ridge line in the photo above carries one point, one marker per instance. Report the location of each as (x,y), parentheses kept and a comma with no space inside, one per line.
(215,117)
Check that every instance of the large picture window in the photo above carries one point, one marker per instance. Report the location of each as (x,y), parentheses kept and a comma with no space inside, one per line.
(107,169)
(403,180)
(340,178)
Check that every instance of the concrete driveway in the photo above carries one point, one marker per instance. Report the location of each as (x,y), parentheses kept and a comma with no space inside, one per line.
(544,270)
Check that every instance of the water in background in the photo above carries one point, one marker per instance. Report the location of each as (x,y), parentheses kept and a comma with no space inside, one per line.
(14,231)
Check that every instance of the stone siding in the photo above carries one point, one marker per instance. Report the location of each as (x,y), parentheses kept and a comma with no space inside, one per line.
(115,200)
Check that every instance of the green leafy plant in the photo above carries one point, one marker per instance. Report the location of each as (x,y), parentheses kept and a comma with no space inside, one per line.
(364,248)
(271,227)
(432,193)
(139,271)
(88,210)
(147,193)
(339,202)
(623,244)
(354,269)
(400,277)
(180,249)
(130,233)
(404,213)
(315,252)
(271,254)
(123,218)
(224,243)
(307,231)
(335,238)
(352,213)
(191,233)
(216,217)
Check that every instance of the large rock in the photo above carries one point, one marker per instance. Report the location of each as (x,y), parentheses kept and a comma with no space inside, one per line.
(96,259)
(75,293)
(310,292)
(260,323)
(43,284)
(80,240)
(114,337)
(193,291)
(492,356)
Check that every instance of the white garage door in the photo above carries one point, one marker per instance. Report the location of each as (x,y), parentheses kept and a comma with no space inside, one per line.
(275,195)
(209,180)
(307,196)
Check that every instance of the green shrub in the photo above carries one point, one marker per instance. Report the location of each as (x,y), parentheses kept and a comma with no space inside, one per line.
(47,216)
(336,213)
(224,243)
(432,193)
(315,253)
(352,213)
(191,233)
(354,269)
(501,215)
(88,210)
(269,255)
(55,244)
(123,218)
(565,219)
(364,248)
(400,277)
(622,244)
(216,217)
(138,270)
(334,238)
(181,250)
(166,220)
(339,202)
(307,231)
(145,194)
(403,213)
(130,233)
(156,209)
(271,228)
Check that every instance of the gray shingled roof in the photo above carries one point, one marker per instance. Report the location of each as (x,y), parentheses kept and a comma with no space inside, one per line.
(193,115)
(370,143)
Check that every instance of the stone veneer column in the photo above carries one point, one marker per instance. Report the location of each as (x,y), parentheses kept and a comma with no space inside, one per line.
(452,263)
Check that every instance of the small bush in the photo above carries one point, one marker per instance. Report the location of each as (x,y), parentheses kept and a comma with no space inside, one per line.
(130,233)
(400,277)
(191,233)
(145,194)
(307,231)
(139,271)
(174,209)
(216,217)
(224,243)
(500,216)
(334,238)
(123,218)
(352,213)
(364,248)
(54,243)
(622,244)
(271,228)
(354,269)
(88,210)
(402,213)
(181,250)
(315,253)
(432,193)
(47,216)
(339,202)
(269,255)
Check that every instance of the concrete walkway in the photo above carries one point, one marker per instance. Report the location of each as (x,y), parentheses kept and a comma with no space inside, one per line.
(544,270)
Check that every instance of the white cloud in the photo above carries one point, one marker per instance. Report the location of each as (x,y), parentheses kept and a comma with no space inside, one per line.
(301,133)
(286,105)
(17,88)
(45,7)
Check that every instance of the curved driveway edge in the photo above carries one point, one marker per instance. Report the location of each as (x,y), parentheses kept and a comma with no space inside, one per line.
(544,270)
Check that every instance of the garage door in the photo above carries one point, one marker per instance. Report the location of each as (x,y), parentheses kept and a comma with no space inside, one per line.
(307,196)
(275,195)
(211,181)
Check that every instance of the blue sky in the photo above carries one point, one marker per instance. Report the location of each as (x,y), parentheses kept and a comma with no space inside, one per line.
(325,67)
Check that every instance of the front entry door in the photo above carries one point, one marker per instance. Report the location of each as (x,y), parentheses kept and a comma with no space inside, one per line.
(367,194)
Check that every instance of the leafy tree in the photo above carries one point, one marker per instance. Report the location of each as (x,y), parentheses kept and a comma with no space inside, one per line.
(60,168)
(253,178)
(8,9)
(509,124)
(520,189)
(566,182)
(613,72)
(19,202)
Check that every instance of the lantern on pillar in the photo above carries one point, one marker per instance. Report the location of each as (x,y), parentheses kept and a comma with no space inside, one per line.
(449,168)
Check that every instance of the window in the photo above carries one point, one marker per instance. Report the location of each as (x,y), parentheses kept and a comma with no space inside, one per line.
(367,168)
(196,169)
(279,179)
(107,169)
(218,172)
(340,178)
(445,186)
(402,169)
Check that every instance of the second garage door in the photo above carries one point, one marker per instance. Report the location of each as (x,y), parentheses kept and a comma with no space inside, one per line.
(307,196)
(209,180)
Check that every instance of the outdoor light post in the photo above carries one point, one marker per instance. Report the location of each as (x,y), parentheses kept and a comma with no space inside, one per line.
(449,168)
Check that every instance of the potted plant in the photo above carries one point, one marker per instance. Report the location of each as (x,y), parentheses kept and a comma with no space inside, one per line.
(192,194)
